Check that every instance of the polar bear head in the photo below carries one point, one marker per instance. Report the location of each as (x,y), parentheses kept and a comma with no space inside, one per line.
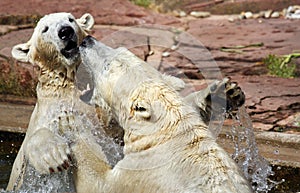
(117,72)
(54,42)
(144,101)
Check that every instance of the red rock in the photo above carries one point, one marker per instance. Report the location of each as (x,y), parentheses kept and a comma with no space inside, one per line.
(117,12)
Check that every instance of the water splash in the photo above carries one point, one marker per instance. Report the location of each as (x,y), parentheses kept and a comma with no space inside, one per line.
(78,121)
(255,168)
(58,182)
(112,149)
(37,183)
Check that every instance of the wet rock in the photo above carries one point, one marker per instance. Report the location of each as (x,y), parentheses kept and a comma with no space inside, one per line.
(275,14)
(200,14)
(262,14)
(182,14)
(268,14)
(248,14)
(4,29)
(262,126)
(174,47)
(13,19)
(179,13)
(231,19)
(15,116)
(165,54)
(256,15)
(292,120)
(293,12)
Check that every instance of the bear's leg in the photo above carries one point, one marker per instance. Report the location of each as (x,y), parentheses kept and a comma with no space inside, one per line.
(91,165)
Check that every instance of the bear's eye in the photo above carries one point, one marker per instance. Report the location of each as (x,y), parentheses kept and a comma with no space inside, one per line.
(137,108)
(45,29)
(71,20)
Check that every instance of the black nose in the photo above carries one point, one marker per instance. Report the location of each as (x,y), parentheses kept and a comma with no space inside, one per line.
(66,33)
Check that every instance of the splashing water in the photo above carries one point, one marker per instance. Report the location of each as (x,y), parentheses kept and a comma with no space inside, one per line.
(37,183)
(85,122)
(255,168)
(112,149)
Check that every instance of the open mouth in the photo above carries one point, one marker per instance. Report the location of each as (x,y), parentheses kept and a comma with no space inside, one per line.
(71,49)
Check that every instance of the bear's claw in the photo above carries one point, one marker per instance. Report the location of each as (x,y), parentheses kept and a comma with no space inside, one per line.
(228,92)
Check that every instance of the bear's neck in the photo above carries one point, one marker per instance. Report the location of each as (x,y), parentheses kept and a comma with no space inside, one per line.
(56,82)
(190,137)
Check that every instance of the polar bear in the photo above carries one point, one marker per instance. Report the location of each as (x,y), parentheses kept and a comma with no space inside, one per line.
(59,119)
(168,148)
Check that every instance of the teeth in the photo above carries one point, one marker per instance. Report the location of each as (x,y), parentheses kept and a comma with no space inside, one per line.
(86,90)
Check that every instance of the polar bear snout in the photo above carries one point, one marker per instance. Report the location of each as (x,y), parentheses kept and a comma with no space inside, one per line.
(66,33)
(89,52)
(68,36)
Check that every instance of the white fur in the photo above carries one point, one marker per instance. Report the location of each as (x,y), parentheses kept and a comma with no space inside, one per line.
(59,119)
(168,148)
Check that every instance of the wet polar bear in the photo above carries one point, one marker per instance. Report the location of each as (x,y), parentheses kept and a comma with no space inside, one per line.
(168,148)
(57,115)
(57,121)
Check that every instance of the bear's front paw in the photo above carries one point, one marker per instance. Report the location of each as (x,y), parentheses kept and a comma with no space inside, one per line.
(234,95)
(228,91)
(47,152)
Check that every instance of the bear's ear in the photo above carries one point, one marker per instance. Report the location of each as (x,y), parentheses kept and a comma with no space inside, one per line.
(141,110)
(21,52)
(86,22)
